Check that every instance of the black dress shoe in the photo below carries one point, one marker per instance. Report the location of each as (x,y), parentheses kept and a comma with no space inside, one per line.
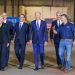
(20,67)
(36,69)
(6,65)
(62,68)
(59,66)
(2,69)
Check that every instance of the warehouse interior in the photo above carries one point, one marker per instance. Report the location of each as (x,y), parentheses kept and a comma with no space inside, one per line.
(48,9)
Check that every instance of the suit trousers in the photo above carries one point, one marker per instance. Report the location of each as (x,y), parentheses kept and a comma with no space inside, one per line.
(3,47)
(38,49)
(20,52)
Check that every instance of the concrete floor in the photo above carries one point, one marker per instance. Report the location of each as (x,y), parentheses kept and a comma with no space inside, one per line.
(50,63)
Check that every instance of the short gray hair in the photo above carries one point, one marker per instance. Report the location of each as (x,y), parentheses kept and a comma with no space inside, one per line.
(38,12)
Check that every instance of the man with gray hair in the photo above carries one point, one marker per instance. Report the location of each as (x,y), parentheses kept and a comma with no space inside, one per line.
(11,29)
(38,35)
(56,37)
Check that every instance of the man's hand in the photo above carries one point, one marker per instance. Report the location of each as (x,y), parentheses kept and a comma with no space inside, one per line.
(27,43)
(74,43)
(30,42)
(7,44)
(54,31)
(12,41)
(51,40)
(53,27)
(45,43)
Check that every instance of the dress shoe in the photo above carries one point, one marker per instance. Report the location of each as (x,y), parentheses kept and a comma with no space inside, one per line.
(36,69)
(2,69)
(59,66)
(20,67)
(66,71)
(42,67)
(62,68)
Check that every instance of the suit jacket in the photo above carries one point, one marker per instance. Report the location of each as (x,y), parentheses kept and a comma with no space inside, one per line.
(56,37)
(38,36)
(11,29)
(21,35)
(5,33)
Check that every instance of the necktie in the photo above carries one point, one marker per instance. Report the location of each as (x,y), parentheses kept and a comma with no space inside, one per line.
(58,23)
(37,25)
(20,26)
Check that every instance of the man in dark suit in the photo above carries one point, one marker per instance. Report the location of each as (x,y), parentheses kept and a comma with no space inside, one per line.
(11,29)
(4,43)
(38,35)
(21,37)
(56,37)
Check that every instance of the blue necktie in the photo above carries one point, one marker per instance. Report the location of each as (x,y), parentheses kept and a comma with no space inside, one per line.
(37,25)
(20,26)
(58,23)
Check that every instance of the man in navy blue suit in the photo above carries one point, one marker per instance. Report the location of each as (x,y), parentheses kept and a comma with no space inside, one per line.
(21,38)
(38,35)
(11,28)
(56,37)
(4,43)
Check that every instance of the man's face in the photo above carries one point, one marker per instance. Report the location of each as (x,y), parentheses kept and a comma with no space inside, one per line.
(58,16)
(4,15)
(37,16)
(22,18)
(1,20)
(63,18)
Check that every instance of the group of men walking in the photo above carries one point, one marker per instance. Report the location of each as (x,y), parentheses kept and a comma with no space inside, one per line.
(62,32)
